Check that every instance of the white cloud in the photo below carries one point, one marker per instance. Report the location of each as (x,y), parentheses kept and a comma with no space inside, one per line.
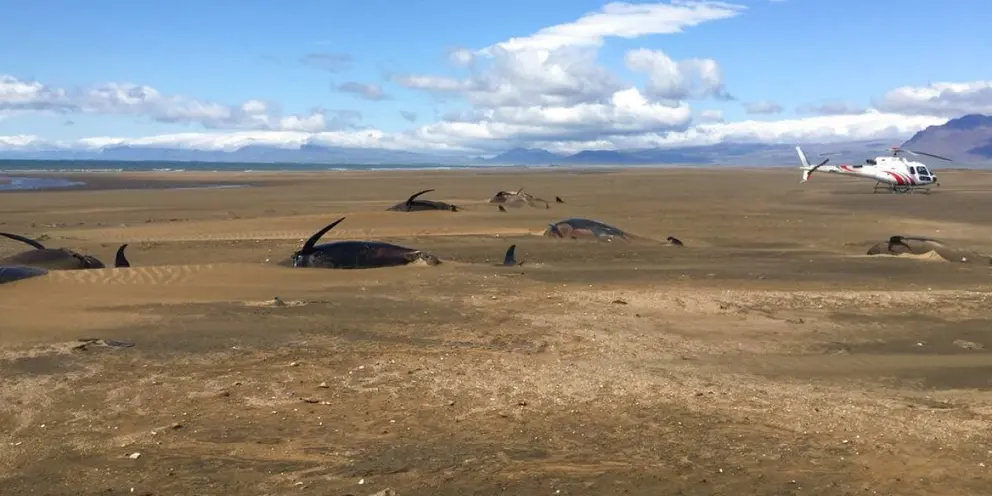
(627,112)
(624,20)
(944,98)
(280,139)
(366,91)
(328,61)
(710,116)
(671,80)
(20,142)
(17,95)
(763,107)
(475,136)
(550,84)
(461,57)
(563,77)
(557,66)
(820,129)
(830,107)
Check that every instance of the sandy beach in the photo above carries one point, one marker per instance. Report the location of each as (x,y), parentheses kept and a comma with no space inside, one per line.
(769,355)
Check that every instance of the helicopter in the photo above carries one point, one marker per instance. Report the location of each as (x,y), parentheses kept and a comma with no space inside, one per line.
(891,173)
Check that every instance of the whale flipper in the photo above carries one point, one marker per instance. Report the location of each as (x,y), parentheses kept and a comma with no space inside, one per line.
(22,239)
(415,195)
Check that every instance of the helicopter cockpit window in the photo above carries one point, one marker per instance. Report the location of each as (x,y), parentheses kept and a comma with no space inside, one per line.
(922,171)
(871,161)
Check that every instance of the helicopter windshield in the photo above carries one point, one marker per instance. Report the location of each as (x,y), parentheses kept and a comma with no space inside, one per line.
(870,161)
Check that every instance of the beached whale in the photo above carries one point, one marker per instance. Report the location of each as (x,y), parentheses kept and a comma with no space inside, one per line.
(356,254)
(412,204)
(49,258)
(920,245)
(57,258)
(518,198)
(578,228)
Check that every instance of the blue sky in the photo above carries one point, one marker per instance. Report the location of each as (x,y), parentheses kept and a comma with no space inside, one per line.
(792,53)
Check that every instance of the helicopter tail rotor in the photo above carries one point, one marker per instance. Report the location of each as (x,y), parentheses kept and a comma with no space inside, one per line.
(806,167)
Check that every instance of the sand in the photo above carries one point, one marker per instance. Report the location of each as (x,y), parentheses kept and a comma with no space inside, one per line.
(769,355)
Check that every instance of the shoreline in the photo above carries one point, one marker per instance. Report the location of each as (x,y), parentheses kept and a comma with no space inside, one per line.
(24,181)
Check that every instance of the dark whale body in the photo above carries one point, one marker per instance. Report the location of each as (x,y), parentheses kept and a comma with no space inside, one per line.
(12,273)
(412,204)
(356,254)
(576,228)
(56,258)
(49,258)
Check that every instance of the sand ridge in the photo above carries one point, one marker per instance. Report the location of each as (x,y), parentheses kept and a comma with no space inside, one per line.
(769,355)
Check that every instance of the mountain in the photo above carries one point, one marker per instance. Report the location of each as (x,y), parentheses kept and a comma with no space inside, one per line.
(965,139)
(723,154)
(528,156)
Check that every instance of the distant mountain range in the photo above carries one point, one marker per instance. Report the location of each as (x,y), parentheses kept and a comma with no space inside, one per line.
(714,155)
(965,139)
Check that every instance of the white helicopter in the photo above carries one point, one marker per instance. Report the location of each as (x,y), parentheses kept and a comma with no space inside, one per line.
(890,173)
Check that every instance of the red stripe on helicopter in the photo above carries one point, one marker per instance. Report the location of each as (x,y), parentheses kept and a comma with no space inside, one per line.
(900,180)
(846,168)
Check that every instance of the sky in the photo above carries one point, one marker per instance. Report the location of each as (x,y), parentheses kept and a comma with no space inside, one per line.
(483,77)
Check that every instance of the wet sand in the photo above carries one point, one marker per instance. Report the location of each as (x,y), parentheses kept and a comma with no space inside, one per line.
(769,355)
(17,182)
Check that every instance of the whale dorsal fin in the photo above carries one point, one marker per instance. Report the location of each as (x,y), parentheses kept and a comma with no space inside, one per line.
(509,259)
(308,246)
(410,200)
(120,260)
(22,239)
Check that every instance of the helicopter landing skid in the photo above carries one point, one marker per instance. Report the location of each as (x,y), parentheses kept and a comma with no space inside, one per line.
(892,188)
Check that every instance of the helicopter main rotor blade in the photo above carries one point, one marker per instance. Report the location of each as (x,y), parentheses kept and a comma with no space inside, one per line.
(929,155)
